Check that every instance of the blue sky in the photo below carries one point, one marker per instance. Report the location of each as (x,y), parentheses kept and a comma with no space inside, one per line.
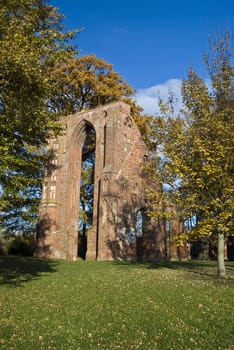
(150,43)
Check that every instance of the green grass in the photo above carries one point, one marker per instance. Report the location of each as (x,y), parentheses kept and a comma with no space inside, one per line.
(114,305)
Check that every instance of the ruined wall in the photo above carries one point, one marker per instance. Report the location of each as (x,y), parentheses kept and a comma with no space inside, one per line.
(119,190)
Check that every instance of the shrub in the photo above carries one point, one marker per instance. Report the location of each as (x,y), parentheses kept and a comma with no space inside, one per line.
(21,244)
(3,249)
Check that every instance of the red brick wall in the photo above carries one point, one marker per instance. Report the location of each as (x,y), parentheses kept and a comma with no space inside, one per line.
(118,189)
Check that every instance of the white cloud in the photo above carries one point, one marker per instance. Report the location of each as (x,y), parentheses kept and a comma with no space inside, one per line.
(148,98)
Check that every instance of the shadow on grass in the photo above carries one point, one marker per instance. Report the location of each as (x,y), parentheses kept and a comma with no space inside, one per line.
(200,267)
(175,265)
(14,270)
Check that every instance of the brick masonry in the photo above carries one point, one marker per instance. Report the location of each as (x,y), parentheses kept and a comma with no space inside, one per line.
(119,190)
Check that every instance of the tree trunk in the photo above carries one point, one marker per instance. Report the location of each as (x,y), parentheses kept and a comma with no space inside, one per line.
(221,265)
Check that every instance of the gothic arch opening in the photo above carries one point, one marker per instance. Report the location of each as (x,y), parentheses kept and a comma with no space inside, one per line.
(86,198)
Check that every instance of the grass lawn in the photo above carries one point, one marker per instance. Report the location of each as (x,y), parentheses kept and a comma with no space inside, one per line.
(67,305)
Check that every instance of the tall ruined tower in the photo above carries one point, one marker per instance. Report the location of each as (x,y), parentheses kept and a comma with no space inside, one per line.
(119,190)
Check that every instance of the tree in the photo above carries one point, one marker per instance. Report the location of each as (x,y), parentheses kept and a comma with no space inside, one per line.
(32,43)
(198,149)
(41,78)
(211,143)
(162,181)
(86,82)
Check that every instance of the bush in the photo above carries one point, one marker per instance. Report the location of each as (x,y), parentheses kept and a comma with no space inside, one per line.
(23,245)
(3,249)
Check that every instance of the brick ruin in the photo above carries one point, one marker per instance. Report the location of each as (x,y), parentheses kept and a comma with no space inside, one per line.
(119,191)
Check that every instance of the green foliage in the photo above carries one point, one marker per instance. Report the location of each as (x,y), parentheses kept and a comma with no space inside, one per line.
(160,180)
(114,305)
(86,191)
(204,153)
(194,150)
(32,43)
(3,249)
(41,78)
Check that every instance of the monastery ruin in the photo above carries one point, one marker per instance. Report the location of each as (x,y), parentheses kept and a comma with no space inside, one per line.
(120,228)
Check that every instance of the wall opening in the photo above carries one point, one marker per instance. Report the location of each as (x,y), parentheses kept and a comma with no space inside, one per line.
(140,225)
(85,220)
(104,150)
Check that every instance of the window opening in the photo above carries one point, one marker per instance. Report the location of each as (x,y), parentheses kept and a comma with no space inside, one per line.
(85,220)
(140,223)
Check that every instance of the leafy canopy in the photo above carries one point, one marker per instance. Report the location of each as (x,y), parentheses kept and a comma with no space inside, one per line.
(32,43)
(194,150)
